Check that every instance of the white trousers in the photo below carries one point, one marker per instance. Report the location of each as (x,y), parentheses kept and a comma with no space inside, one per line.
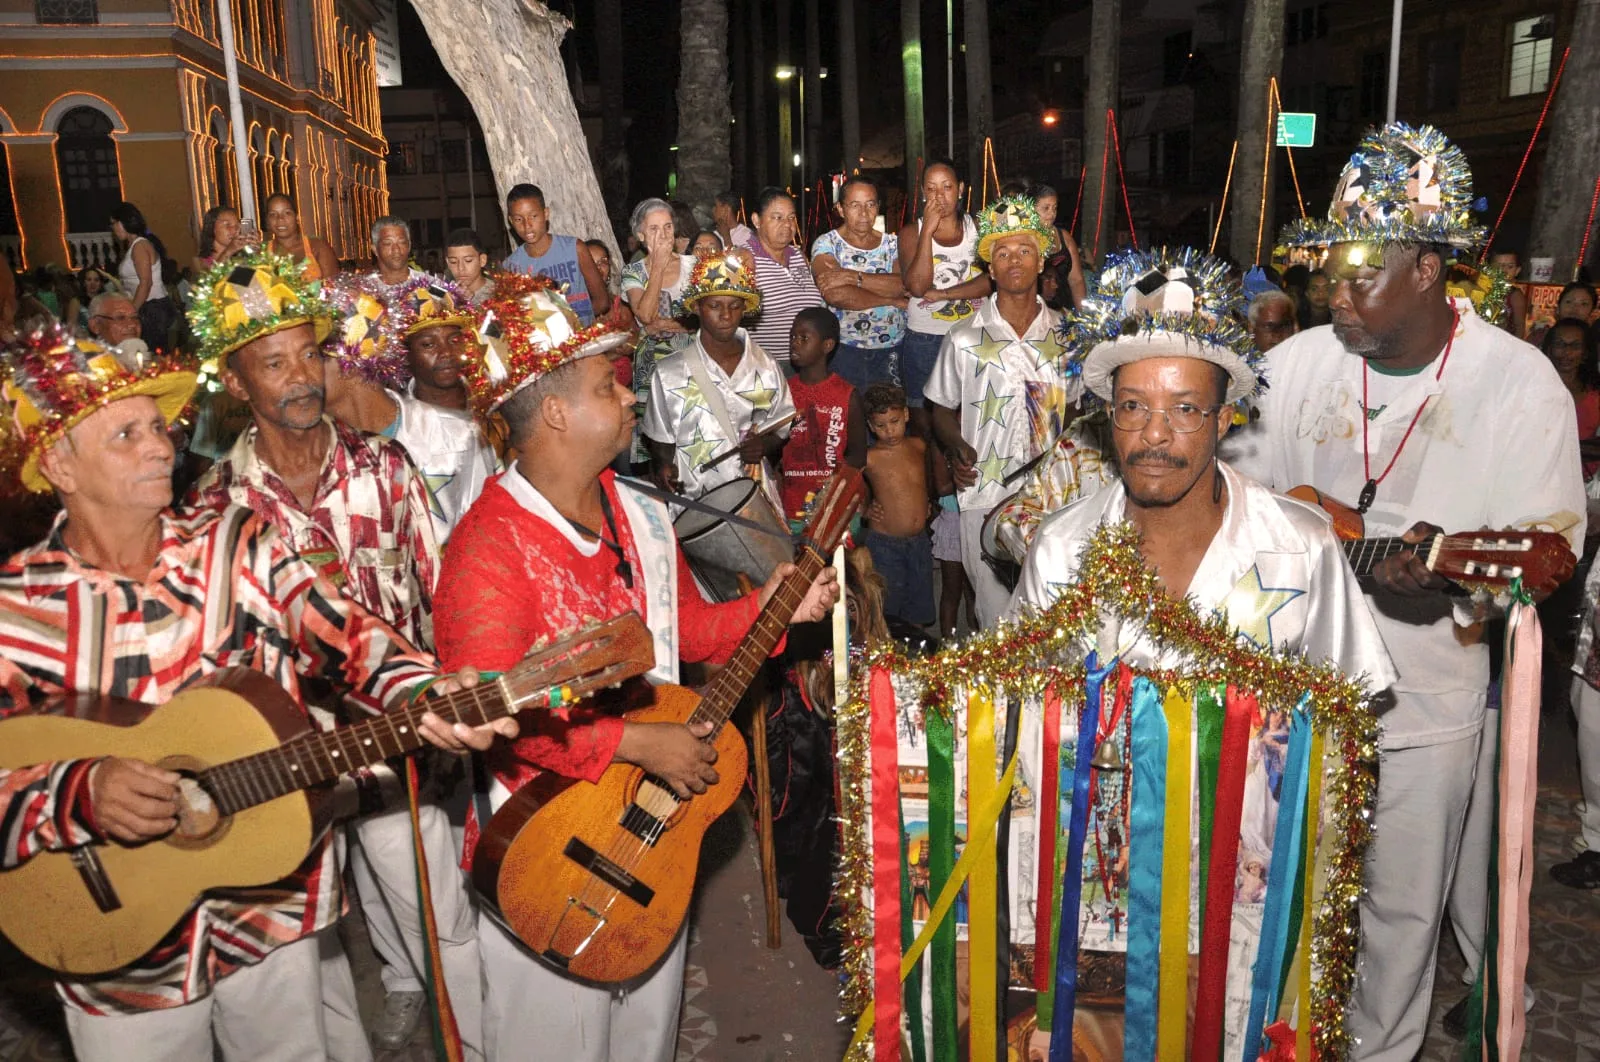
(990,594)
(533,1012)
(385,874)
(1586,705)
(1469,891)
(270,1012)
(1423,794)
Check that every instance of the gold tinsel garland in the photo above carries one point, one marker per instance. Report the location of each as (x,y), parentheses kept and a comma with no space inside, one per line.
(1027,657)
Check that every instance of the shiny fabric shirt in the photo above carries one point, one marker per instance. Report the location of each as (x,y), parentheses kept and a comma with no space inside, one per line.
(225,591)
(450,453)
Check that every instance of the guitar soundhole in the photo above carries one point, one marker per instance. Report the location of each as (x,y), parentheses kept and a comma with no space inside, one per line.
(200,822)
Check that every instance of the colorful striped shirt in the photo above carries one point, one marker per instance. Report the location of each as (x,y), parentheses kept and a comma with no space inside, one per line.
(225,591)
(787,287)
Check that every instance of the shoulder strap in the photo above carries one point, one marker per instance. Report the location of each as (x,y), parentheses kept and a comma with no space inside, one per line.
(695,359)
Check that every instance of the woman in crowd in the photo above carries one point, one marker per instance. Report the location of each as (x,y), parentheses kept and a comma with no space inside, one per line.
(782,273)
(140,272)
(283,221)
(619,316)
(1314,305)
(706,242)
(91,281)
(1570,346)
(857,269)
(1062,258)
(222,235)
(652,286)
(940,269)
(685,225)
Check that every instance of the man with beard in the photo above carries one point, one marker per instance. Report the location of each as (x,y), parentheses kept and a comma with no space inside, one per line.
(1421,414)
(1172,375)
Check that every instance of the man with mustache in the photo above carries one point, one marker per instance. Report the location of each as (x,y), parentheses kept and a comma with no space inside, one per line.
(1166,352)
(1422,414)
(355,506)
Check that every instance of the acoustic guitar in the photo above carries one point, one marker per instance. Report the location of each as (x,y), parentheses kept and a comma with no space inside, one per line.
(595,877)
(1472,559)
(248,813)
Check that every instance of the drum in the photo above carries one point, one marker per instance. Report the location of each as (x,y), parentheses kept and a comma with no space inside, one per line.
(719,552)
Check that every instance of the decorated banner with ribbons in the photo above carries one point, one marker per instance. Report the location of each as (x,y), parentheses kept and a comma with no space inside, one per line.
(1182,851)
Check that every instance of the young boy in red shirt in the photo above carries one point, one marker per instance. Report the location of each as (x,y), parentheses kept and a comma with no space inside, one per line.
(829,425)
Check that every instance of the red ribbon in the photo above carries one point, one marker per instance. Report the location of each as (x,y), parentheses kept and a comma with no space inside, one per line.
(886,998)
(1215,933)
(1049,808)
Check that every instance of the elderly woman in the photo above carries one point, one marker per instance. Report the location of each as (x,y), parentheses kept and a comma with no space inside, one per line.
(782,274)
(652,286)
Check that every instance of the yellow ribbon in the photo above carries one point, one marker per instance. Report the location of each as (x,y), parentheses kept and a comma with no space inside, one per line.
(982,945)
(1172,1025)
(980,842)
(1302,958)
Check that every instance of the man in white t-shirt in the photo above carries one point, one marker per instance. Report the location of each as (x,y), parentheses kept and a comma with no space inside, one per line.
(979,392)
(1421,414)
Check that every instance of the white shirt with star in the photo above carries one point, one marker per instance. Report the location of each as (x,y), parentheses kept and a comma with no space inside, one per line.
(983,370)
(450,452)
(676,412)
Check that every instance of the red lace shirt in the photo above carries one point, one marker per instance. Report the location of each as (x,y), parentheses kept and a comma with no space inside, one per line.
(816,441)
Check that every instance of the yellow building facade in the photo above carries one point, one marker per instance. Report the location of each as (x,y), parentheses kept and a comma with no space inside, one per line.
(110,100)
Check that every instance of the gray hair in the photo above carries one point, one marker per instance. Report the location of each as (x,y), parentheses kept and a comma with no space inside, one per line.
(645,208)
(1268,298)
(98,304)
(389,221)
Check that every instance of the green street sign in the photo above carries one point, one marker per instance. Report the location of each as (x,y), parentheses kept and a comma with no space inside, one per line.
(1296,130)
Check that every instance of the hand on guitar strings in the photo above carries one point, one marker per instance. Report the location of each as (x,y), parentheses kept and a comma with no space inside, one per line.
(133,801)
(673,752)
(820,595)
(459,737)
(1405,573)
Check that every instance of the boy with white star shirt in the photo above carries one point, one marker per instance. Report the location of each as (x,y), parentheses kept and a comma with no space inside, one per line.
(1269,564)
(977,395)
(719,392)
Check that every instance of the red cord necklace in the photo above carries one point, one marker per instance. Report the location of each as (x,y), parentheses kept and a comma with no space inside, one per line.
(1370,491)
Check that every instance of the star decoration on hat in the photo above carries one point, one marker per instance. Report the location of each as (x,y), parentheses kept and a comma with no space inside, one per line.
(722,273)
(699,449)
(991,406)
(992,469)
(693,397)
(243,298)
(1011,216)
(363,341)
(988,351)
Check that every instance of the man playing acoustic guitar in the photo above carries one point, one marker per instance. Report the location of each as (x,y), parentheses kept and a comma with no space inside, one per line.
(557,538)
(124,598)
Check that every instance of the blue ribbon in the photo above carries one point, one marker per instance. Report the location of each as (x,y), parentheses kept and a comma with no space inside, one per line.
(1266,986)
(1072,882)
(1148,821)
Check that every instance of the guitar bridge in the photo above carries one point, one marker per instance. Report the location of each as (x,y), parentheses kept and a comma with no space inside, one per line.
(93,872)
(609,872)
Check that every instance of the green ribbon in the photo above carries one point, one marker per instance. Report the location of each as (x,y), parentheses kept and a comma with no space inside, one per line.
(941,861)
(1209,715)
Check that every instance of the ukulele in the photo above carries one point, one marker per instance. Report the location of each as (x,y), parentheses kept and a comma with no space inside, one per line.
(595,877)
(1472,559)
(248,814)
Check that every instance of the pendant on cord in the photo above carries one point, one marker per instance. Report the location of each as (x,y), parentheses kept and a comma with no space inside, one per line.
(1369,492)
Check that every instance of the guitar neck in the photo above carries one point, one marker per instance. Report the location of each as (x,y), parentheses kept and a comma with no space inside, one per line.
(723,695)
(1364,554)
(321,756)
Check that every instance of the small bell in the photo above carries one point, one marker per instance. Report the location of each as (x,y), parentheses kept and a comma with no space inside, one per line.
(1106,757)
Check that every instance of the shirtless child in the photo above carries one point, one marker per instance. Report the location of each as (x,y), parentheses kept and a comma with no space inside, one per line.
(899,477)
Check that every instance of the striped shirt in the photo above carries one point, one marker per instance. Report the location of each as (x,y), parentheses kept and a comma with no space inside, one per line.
(225,591)
(786,288)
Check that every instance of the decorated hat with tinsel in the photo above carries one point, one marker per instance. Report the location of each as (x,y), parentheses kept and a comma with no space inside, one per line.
(1012,215)
(1486,290)
(363,340)
(429,302)
(241,299)
(1404,184)
(527,331)
(723,273)
(1164,303)
(53,381)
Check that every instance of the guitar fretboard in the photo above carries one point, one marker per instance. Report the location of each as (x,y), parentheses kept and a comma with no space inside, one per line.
(1364,554)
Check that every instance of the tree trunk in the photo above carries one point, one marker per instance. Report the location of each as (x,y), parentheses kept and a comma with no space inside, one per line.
(849,88)
(703,168)
(1099,230)
(1262,58)
(613,117)
(812,166)
(980,88)
(739,75)
(523,102)
(1572,152)
(760,154)
(786,169)
(911,65)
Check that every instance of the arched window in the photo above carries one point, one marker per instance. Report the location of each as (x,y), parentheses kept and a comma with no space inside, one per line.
(86,157)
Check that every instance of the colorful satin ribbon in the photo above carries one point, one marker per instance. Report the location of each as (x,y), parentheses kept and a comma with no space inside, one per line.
(1519,745)
(885,866)
(1208,747)
(983,894)
(941,859)
(1173,1009)
(1267,976)
(913,981)
(1072,881)
(1308,871)
(1146,823)
(446,1034)
(1216,927)
(1045,898)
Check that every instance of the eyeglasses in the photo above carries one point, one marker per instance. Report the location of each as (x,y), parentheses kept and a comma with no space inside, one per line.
(121,318)
(1183,418)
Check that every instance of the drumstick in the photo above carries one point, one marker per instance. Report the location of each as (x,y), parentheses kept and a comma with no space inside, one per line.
(781,422)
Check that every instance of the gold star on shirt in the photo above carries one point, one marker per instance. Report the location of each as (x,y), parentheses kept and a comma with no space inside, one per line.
(1251,606)
(436,482)
(760,396)
(1049,350)
(699,449)
(991,406)
(988,351)
(992,469)
(692,398)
